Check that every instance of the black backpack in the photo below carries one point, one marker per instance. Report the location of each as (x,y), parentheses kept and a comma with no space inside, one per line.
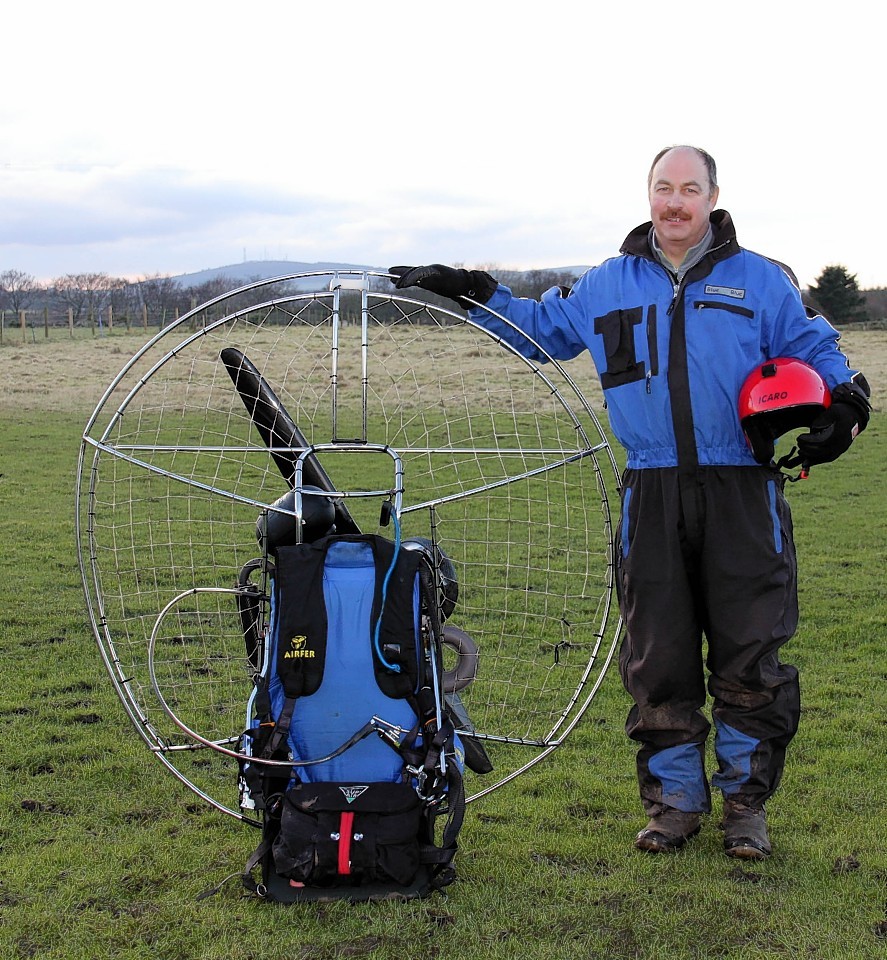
(356,766)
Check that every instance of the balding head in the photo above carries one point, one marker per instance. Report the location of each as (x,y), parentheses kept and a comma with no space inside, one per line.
(707,159)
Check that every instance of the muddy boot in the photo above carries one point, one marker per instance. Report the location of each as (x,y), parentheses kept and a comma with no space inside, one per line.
(668,831)
(745,831)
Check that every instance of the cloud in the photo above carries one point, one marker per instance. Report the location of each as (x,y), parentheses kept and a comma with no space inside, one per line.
(131,221)
(84,206)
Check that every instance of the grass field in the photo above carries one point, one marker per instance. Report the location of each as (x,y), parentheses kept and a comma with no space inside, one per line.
(103,854)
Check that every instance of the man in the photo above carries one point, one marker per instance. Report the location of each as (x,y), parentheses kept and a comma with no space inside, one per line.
(675,325)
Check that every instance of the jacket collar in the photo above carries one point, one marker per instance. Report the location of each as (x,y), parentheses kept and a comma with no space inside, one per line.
(723,245)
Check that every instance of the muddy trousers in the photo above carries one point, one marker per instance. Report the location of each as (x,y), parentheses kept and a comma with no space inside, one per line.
(707,555)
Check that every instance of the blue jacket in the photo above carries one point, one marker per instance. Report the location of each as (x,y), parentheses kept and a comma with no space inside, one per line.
(672,360)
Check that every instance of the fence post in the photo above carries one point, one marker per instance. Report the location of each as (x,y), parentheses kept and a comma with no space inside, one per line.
(46,322)
(110,318)
(145,315)
(21,319)
(71,322)
(2,323)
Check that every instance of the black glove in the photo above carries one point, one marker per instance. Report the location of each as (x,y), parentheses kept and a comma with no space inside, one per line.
(448,282)
(832,432)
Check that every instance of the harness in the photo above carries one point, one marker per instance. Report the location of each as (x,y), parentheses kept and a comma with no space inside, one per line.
(354,649)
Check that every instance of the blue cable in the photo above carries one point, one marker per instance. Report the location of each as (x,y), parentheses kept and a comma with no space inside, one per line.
(393,667)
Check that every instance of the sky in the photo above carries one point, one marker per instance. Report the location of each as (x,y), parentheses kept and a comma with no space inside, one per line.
(167,138)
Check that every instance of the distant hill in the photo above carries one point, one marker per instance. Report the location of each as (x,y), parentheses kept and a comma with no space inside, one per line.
(250,270)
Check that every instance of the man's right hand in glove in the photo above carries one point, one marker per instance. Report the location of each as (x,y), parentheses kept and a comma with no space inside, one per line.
(449,282)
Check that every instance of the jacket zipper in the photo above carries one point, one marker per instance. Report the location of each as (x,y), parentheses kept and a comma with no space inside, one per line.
(678,288)
(727,307)
(652,347)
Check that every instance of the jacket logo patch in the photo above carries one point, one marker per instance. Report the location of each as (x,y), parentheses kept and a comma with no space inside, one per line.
(298,649)
(736,292)
(352,793)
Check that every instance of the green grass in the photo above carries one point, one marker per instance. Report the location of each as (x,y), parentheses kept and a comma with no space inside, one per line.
(103,854)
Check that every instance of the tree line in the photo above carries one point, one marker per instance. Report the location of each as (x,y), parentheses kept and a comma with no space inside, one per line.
(84,298)
(88,297)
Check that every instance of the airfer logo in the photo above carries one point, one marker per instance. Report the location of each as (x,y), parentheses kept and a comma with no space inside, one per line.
(299,649)
(352,793)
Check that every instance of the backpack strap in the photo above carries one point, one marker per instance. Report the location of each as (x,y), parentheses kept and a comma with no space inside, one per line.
(257,856)
(302,619)
(281,730)
(270,828)
(249,600)
(301,628)
(440,856)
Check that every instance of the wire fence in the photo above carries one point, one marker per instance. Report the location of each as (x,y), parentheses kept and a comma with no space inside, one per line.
(29,326)
(32,326)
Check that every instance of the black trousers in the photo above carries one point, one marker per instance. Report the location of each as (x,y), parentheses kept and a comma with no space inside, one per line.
(707,555)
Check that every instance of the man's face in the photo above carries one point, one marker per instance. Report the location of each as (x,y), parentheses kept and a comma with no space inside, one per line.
(681,200)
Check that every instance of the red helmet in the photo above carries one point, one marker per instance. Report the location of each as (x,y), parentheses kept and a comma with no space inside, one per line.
(776,397)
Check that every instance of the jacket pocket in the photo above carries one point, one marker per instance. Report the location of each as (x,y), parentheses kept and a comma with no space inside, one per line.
(349,833)
(719,305)
(652,342)
(617,332)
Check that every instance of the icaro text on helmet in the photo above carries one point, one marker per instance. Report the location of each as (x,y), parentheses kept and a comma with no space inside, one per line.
(779,395)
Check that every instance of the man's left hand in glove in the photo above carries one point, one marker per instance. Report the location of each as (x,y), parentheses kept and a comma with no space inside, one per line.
(832,432)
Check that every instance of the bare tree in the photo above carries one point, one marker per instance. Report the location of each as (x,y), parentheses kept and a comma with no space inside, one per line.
(86,294)
(533,283)
(876,302)
(210,289)
(160,295)
(17,290)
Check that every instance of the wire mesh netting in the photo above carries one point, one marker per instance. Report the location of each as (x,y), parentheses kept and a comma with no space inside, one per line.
(498,461)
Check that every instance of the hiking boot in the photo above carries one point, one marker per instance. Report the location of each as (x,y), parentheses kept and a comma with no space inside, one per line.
(668,831)
(745,831)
